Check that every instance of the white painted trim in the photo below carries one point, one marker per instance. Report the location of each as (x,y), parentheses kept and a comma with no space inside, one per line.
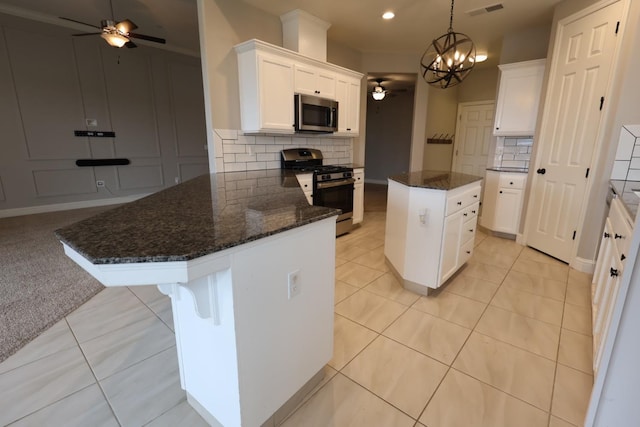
(30,210)
(583,265)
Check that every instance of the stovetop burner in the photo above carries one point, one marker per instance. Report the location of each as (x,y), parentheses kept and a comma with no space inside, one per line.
(310,160)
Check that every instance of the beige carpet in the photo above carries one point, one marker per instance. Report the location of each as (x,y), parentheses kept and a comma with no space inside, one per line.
(39,285)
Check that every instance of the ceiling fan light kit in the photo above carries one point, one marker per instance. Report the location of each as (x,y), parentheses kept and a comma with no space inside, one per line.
(449,59)
(117,34)
(378,93)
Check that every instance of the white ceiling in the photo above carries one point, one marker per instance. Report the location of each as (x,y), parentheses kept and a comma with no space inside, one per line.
(355,23)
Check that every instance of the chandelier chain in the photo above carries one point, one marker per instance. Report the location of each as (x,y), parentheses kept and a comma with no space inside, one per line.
(451,18)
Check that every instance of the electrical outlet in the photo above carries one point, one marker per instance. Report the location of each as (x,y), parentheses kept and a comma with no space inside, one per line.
(100,183)
(91,122)
(294,283)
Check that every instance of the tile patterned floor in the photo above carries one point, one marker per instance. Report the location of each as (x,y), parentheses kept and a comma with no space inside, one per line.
(505,343)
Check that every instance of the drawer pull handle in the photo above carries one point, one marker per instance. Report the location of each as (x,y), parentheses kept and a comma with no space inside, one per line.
(465,214)
(613,272)
(500,191)
(459,203)
(618,236)
(606,235)
(473,211)
(471,230)
(511,183)
(469,252)
(475,196)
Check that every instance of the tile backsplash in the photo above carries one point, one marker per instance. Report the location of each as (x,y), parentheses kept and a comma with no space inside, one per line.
(235,151)
(627,163)
(513,152)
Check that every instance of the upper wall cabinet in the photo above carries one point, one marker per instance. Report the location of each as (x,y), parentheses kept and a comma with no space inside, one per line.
(518,98)
(314,81)
(269,76)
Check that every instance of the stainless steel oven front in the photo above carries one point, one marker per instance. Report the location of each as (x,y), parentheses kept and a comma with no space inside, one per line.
(338,194)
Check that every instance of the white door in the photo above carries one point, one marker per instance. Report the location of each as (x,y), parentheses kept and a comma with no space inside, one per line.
(579,77)
(473,137)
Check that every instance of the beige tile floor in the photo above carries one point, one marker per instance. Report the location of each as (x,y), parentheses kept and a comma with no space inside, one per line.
(506,342)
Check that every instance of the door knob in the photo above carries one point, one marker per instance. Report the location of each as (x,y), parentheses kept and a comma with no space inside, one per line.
(541,171)
(613,272)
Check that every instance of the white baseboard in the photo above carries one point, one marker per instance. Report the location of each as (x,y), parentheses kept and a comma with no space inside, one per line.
(520,239)
(30,210)
(376,181)
(584,265)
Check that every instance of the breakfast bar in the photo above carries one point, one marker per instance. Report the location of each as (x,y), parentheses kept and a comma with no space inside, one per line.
(249,266)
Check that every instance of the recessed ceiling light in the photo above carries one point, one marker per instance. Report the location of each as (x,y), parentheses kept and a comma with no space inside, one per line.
(388,15)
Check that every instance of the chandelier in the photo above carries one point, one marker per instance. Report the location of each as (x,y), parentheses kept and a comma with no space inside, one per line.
(449,59)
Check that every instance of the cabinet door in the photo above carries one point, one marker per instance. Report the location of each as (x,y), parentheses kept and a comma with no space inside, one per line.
(314,81)
(358,196)
(602,311)
(508,207)
(305,80)
(518,98)
(348,97)
(450,246)
(305,180)
(276,94)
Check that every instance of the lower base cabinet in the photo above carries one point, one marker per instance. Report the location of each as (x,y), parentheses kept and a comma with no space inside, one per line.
(502,204)
(614,247)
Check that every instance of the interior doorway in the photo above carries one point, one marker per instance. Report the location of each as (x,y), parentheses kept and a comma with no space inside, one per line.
(389,125)
(474,137)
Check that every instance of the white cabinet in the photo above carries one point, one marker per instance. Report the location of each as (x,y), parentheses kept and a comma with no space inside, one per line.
(266,92)
(314,81)
(348,97)
(502,203)
(306,183)
(429,233)
(614,249)
(518,98)
(269,76)
(358,195)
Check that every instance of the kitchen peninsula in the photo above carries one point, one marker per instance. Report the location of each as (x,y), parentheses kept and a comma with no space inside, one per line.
(431,225)
(249,266)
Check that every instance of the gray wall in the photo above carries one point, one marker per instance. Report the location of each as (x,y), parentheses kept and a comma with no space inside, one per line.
(50,83)
(389,128)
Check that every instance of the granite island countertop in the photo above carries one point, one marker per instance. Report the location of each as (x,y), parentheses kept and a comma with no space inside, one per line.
(435,180)
(201,216)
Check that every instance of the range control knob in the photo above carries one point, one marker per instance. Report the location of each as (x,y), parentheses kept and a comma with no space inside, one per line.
(326,177)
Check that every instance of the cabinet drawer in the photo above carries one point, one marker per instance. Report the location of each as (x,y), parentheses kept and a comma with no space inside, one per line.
(468,230)
(461,200)
(512,181)
(466,251)
(471,212)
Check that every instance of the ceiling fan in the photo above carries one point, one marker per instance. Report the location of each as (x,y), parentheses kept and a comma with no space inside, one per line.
(117,33)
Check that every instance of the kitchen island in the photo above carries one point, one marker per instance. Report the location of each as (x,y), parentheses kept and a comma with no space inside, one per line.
(431,225)
(249,266)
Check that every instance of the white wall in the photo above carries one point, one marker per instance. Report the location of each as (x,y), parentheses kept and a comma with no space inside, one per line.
(51,82)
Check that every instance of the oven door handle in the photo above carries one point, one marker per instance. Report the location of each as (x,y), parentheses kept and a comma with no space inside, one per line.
(337,183)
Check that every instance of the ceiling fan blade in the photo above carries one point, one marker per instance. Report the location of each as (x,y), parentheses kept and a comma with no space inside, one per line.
(148,38)
(126,26)
(130,44)
(79,22)
(86,34)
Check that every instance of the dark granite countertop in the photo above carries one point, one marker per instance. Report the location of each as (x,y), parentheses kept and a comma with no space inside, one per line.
(201,216)
(435,180)
(624,190)
(506,169)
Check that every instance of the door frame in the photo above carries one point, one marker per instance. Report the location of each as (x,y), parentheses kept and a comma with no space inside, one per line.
(580,264)
(456,144)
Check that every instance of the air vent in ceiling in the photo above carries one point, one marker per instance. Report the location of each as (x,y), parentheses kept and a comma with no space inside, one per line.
(485,9)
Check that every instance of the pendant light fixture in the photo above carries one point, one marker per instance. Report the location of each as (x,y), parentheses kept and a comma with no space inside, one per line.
(449,59)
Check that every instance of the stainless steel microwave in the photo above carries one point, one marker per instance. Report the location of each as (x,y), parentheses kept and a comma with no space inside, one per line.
(315,114)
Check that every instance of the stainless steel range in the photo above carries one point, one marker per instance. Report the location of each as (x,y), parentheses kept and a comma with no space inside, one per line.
(332,185)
